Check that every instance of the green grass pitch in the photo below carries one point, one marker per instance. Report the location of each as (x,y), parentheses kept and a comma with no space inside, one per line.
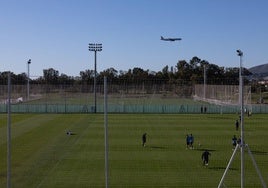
(44,156)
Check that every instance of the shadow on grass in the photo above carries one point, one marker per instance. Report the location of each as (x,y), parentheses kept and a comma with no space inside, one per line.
(157,147)
(259,152)
(222,168)
(201,149)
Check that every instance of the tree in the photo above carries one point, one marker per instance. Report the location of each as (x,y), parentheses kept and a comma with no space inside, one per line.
(184,70)
(51,76)
(87,75)
(21,78)
(214,74)
(139,73)
(192,72)
(194,66)
(110,73)
(194,62)
(165,72)
(64,79)
(232,76)
(4,77)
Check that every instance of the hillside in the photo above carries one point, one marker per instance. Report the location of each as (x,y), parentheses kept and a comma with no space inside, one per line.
(260,70)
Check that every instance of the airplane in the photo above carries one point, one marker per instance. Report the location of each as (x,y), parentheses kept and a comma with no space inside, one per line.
(170,39)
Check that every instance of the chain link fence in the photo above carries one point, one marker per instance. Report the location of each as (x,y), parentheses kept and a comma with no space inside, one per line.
(128,96)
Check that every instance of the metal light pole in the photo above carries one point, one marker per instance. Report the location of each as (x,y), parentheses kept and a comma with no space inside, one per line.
(106,135)
(28,79)
(241,99)
(242,144)
(95,48)
(9,132)
(205,81)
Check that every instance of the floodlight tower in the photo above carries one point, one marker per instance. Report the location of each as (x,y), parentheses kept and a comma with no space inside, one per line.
(95,48)
(241,100)
(205,81)
(9,132)
(28,79)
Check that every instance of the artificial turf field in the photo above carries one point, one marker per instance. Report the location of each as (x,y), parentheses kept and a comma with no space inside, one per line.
(44,156)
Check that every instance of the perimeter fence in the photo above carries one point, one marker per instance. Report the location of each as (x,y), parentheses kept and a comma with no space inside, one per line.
(128,96)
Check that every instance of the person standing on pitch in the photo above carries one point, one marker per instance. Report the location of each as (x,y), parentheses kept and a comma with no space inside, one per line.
(144,138)
(234,141)
(191,141)
(187,141)
(205,157)
(236,125)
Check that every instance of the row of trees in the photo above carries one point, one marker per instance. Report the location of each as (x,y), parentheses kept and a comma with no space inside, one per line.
(192,72)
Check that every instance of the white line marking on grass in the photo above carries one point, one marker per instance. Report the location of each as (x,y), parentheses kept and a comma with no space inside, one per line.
(59,160)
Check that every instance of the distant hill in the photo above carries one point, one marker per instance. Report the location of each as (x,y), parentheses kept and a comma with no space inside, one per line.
(259,71)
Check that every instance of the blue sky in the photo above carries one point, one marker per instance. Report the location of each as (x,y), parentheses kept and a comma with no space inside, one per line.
(55,33)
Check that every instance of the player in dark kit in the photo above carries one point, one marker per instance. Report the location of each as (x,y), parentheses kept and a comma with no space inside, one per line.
(236,125)
(205,157)
(234,141)
(144,138)
(191,141)
(187,141)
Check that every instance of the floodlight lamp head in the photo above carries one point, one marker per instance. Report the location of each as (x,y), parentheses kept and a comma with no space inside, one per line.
(94,47)
(29,61)
(239,52)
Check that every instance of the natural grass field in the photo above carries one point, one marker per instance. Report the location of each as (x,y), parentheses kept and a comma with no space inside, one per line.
(44,156)
(127,99)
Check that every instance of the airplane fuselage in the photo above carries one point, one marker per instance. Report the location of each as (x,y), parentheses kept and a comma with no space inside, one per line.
(170,39)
